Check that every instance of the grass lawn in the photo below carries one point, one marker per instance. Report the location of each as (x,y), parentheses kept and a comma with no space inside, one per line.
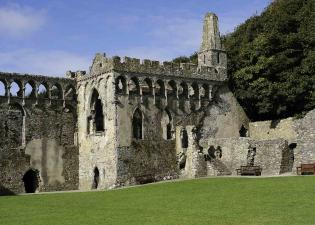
(279,201)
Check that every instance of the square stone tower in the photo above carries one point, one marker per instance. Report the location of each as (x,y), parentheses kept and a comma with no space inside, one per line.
(212,52)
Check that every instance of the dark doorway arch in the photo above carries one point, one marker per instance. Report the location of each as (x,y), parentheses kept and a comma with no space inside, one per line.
(96,178)
(31,180)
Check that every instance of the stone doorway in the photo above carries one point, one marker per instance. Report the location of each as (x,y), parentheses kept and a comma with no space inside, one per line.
(31,181)
(96,178)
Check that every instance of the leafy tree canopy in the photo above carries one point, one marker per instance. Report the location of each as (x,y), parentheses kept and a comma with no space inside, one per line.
(271,63)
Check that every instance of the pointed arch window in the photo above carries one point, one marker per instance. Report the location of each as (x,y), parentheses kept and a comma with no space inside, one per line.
(167,126)
(96,117)
(137,124)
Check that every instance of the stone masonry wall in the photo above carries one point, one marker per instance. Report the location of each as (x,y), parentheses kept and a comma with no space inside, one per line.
(37,132)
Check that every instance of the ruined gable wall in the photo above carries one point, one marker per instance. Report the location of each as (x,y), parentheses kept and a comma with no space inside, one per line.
(97,150)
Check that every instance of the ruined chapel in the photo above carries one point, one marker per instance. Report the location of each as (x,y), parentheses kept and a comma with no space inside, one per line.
(126,122)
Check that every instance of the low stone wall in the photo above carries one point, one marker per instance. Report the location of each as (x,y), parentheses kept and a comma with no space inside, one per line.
(271,155)
(299,133)
(146,161)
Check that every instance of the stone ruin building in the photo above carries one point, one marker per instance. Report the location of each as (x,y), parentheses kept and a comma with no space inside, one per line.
(127,122)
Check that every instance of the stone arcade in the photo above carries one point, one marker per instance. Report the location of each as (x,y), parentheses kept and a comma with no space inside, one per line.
(128,122)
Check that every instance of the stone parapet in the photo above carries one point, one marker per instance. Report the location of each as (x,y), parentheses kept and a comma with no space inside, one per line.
(102,64)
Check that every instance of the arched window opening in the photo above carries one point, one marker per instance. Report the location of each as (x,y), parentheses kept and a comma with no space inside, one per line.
(194,91)
(171,88)
(70,93)
(160,88)
(120,85)
(31,181)
(15,90)
(137,124)
(184,138)
(96,178)
(243,132)
(204,91)
(42,91)
(166,123)
(218,57)
(96,118)
(2,89)
(134,87)
(55,92)
(183,90)
(29,89)
(146,87)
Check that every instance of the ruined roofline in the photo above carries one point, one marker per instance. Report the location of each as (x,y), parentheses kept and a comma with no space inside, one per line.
(27,76)
(102,64)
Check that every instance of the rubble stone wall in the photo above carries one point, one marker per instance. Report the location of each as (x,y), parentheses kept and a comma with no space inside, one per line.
(37,132)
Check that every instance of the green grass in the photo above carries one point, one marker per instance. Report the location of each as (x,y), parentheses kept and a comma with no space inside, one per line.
(279,201)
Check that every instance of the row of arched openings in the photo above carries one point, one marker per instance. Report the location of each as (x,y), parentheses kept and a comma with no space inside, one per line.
(162,89)
(31,90)
(166,124)
(96,124)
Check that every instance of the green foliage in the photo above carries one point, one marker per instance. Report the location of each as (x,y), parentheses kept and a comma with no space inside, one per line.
(184,59)
(271,60)
(272,201)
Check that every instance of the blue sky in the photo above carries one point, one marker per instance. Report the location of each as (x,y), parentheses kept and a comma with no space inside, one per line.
(52,36)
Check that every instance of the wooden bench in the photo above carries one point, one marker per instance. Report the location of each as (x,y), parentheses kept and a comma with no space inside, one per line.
(249,171)
(306,169)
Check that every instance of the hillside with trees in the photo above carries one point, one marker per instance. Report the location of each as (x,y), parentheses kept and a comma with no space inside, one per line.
(271,60)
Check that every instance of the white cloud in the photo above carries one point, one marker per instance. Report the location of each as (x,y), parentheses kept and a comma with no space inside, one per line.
(17,21)
(42,62)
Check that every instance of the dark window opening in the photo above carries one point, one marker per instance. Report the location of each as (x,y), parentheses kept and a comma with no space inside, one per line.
(55,92)
(171,88)
(194,93)
(134,87)
(292,146)
(218,57)
(183,90)
(96,178)
(96,117)
(243,132)
(184,138)
(31,181)
(146,87)
(166,123)
(160,88)
(120,85)
(137,124)
(169,131)
(99,117)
